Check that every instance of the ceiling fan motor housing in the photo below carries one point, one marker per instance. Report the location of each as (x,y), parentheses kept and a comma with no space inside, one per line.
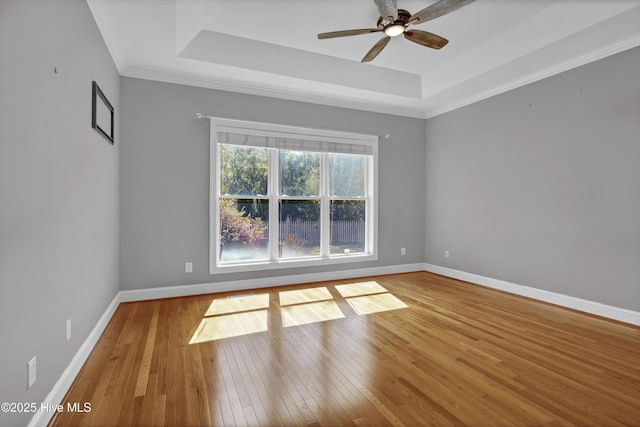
(403,18)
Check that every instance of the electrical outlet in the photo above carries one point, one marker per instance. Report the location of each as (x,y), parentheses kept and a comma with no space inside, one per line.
(403,251)
(31,372)
(446,254)
(68,329)
(188,267)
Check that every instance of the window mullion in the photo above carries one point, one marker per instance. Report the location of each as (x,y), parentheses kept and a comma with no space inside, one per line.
(371,209)
(274,206)
(325,236)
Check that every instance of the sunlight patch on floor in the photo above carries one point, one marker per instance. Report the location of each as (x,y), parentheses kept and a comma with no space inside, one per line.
(300,296)
(303,314)
(230,325)
(237,304)
(240,315)
(357,289)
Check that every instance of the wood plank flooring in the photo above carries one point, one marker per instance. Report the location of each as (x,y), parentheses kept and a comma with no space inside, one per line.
(411,349)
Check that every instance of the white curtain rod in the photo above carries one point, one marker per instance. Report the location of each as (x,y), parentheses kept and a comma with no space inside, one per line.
(206,117)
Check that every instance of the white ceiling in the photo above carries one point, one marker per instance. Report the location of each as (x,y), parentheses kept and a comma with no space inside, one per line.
(271,48)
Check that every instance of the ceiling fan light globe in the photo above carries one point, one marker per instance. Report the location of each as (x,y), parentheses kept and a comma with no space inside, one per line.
(394,30)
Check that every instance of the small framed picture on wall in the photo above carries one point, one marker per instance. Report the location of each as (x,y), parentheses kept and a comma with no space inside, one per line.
(102,113)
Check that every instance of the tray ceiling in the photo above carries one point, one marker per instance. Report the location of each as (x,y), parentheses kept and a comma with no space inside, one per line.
(271,48)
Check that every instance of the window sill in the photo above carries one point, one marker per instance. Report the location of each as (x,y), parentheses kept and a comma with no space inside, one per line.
(289,263)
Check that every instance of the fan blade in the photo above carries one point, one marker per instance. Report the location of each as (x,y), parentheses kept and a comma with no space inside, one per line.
(427,39)
(346,33)
(436,10)
(376,49)
(388,9)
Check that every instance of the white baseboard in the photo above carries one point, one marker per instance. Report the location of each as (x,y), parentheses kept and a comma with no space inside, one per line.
(266,282)
(611,312)
(41,418)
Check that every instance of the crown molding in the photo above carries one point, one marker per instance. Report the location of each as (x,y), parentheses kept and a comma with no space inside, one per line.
(250,88)
(348,97)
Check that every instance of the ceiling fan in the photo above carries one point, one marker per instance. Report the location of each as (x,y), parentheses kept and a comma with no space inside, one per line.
(394,21)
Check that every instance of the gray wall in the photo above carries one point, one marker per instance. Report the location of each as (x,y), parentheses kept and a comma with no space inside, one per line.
(540,186)
(164,189)
(58,192)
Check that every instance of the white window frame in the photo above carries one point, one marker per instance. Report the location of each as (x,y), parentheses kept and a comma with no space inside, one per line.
(371,195)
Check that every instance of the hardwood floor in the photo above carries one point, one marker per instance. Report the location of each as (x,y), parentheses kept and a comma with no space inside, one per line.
(412,349)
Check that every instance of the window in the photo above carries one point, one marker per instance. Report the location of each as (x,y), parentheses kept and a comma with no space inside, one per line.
(284,196)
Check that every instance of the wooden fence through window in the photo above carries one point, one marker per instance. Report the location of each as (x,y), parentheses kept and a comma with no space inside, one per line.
(342,232)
